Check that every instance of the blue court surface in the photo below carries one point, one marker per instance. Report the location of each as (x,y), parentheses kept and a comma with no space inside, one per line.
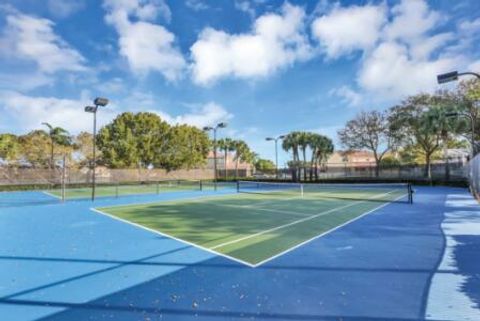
(63,261)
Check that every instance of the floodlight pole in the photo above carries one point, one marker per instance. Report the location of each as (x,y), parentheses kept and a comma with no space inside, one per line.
(214,129)
(276,151)
(94,165)
(93,109)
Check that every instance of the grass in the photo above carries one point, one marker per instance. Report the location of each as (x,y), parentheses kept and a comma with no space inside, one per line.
(253,228)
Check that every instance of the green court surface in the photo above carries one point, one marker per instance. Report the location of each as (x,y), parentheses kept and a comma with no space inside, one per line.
(123,190)
(253,228)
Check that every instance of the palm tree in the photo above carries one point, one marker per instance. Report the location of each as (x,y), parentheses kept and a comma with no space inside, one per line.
(290,142)
(227,145)
(303,142)
(242,152)
(324,150)
(314,142)
(58,136)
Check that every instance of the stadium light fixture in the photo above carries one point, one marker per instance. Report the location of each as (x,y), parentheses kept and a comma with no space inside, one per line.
(275,139)
(214,129)
(98,102)
(453,76)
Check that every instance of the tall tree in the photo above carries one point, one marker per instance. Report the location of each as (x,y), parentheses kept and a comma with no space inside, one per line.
(465,100)
(58,137)
(132,140)
(9,147)
(242,154)
(35,148)
(422,123)
(290,142)
(84,148)
(265,165)
(226,145)
(324,150)
(372,131)
(303,142)
(321,148)
(184,147)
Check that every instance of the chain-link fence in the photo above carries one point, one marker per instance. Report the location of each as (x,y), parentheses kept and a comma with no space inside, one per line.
(48,178)
(474,176)
(449,172)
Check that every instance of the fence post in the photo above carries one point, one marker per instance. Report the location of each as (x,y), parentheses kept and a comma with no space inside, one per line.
(63,177)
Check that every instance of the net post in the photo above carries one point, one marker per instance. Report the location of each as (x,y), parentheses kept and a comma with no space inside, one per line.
(238,186)
(410,193)
(63,177)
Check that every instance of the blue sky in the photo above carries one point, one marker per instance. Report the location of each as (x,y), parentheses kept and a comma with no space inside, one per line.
(266,67)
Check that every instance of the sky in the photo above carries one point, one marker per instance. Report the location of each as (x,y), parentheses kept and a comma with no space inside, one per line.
(266,67)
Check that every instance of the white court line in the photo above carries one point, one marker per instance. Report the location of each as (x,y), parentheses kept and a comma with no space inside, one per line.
(52,195)
(173,237)
(263,209)
(267,202)
(211,250)
(325,233)
(193,199)
(297,221)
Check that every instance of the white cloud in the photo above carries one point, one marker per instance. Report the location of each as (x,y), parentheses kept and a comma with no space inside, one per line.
(149,10)
(413,19)
(405,62)
(474,67)
(276,41)
(196,5)
(33,39)
(402,48)
(470,26)
(245,6)
(199,115)
(64,8)
(205,115)
(389,71)
(346,29)
(146,46)
(347,95)
(28,112)
(24,81)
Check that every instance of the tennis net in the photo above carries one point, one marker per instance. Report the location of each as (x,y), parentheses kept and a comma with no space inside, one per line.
(380,192)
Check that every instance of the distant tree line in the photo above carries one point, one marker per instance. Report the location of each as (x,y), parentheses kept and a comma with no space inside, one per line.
(131,140)
(418,129)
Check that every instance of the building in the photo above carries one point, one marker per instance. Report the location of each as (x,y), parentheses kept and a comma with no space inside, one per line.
(353,158)
(244,169)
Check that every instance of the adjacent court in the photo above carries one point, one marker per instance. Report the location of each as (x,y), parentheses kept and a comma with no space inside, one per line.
(110,190)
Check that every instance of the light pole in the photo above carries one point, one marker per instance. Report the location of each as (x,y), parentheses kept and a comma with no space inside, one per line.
(275,139)
(472,124)
(214,129)
(98,102)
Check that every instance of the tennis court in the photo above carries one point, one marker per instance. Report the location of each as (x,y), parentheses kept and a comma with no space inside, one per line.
(263,220)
